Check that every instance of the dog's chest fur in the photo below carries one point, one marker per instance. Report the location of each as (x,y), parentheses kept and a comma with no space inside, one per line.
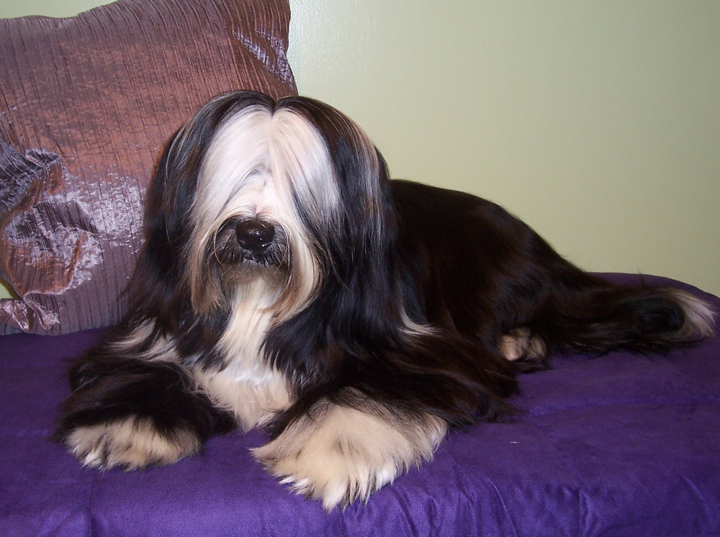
(247,385)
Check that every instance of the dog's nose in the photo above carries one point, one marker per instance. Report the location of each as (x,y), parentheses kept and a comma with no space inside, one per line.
(254,236)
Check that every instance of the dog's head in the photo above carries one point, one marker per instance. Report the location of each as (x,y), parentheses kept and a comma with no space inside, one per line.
(281,192)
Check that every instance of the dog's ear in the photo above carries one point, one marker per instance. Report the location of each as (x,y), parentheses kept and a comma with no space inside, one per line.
(156,286)
(359,305)
(359,172)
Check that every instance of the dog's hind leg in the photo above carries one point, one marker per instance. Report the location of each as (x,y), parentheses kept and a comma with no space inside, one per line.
(522,344)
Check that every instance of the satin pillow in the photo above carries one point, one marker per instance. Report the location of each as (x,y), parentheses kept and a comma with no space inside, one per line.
(86,105)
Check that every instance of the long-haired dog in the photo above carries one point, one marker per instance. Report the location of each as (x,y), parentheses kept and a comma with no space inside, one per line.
(287,283)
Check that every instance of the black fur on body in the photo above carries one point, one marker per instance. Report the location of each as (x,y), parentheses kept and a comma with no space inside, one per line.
(385,312)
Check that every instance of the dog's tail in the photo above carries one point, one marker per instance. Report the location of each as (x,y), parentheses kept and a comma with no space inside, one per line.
(602,317)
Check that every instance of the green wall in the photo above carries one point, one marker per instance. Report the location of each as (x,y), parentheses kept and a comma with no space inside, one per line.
(596,122)
(51,8)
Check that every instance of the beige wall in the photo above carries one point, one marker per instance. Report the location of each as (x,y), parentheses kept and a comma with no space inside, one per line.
(51,8)
(596,122)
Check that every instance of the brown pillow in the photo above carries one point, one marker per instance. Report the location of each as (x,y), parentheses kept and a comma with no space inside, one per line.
(86,104)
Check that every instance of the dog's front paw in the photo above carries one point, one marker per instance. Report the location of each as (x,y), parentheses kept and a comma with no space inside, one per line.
(131,444)
(344,454)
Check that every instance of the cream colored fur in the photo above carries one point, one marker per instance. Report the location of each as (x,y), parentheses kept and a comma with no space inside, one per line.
(246,385)
(339,454)
(699,315)
(132,443)
(520,343)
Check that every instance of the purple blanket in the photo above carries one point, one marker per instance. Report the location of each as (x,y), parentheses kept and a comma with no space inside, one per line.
(615,445)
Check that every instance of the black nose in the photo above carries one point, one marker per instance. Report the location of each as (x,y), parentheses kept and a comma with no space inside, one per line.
(254,236)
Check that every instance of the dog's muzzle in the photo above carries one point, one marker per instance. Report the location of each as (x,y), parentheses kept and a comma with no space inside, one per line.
(252,240)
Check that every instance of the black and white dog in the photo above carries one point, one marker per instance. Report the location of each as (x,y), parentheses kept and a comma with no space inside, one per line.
(287,283)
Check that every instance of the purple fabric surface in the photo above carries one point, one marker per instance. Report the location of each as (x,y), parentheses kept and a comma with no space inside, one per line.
(614,445)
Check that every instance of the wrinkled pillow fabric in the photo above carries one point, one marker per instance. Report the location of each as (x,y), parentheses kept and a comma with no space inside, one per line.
(86,105)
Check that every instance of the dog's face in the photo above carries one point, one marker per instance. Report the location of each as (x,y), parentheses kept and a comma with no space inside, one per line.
(264,174)
(282,193)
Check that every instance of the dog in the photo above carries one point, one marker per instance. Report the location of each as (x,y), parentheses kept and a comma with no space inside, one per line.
(287,283)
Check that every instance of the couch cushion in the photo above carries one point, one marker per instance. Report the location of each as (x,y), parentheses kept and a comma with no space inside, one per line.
(86,104)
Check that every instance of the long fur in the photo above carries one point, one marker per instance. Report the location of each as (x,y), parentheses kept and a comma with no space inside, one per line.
(287,283)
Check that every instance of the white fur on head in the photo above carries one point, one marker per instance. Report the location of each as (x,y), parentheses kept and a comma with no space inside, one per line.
(262,164)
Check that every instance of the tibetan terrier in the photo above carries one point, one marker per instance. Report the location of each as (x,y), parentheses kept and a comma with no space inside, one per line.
(288,283)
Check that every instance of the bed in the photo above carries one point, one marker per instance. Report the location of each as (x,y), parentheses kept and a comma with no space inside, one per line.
(613,445)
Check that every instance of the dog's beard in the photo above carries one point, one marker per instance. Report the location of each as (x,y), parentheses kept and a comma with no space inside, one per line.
(286,279)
